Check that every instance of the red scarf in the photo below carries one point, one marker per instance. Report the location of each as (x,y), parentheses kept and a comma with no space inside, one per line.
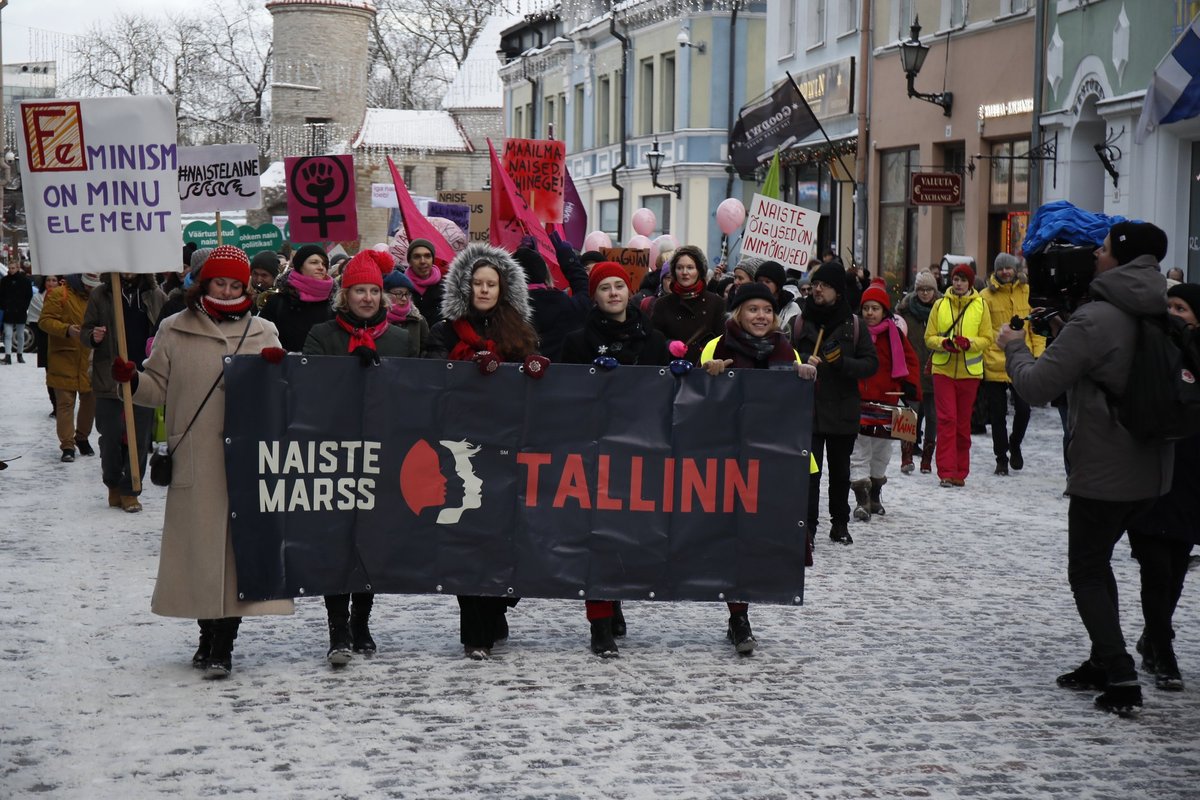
(220,310)
(695,290)
(361,335)
(470,342)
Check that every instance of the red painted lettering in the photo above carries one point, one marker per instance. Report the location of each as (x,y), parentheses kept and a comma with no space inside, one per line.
(533,461)
(668,494)
(603,501)
(705,490)
(636,501)
(572,483)
(746,487)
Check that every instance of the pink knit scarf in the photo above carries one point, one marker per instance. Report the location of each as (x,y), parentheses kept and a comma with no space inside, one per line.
(421,284)
(310,289)
(899,365)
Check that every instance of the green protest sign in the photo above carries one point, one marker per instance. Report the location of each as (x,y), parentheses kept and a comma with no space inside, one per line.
(255,240)
(204,234)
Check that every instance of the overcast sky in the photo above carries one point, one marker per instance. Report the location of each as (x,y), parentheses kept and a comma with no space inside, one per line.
(70,17)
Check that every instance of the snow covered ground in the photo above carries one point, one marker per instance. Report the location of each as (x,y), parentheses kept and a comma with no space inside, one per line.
(922,665)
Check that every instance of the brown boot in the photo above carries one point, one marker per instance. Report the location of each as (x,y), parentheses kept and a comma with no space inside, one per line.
(906,457)
(927,459)
(114,497)
(130,504)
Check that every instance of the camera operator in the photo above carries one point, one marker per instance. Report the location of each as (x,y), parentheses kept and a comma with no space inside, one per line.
(1114,476)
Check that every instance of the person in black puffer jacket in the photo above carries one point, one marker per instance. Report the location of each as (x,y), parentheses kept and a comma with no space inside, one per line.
(303,297)
(555,313)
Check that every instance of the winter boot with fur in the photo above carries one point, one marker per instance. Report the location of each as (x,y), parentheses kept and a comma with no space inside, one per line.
(220,658)
(906,458)
(862,499)
(877,495)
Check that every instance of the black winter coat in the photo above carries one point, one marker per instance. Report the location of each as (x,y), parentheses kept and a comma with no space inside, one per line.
(646,347)
(16,292)
(430,303)
(693,321)
(1174,515)
(330,339)
(838,400)
(556,314)
(295,317)
(443,339)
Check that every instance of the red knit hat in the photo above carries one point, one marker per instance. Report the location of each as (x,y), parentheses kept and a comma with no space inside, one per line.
(369,266)
(227,261)
(965,271)
(879,295)
(605,269)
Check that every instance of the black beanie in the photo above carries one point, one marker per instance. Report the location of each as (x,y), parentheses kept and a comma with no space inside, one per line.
(592,257)
(302,254)
(267,261)
(772,271)
(1188,293)
(534,265)
(831,274)
(1128,240)
(752,291)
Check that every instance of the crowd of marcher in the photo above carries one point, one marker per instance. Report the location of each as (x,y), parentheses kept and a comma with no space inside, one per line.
(943,349)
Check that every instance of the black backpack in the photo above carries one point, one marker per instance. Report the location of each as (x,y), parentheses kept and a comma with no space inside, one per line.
(1162,398)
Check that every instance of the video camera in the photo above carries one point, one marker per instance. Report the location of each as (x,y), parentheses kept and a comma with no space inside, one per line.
(1059,275)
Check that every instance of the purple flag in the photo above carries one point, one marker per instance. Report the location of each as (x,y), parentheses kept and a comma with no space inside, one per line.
(574,222)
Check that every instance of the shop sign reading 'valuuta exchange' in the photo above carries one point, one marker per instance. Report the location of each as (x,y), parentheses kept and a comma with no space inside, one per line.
(936,189)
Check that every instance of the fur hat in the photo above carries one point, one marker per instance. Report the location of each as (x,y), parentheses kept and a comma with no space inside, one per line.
(428,245)
(456,296)
(832,274)
(302,254)
(877,294)
(267,261)
(397,280)
(227,261)
(1128,240)
(752,291)
(602,270)
(368,266)
(534,265)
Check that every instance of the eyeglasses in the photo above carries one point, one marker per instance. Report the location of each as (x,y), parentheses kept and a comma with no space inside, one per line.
(400,294)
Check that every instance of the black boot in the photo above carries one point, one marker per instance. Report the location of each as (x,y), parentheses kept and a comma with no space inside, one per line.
(7,361)
(876,495)
(220,659)
(862,500)
(20,358)
(603,643)
(1088,675)
(360,631)
(341,648)
(1124,700)
(1001,466)
(84,447)
(740,634)
(840,532)
(1015,459)
(1166,668)
(619,628)
(200,659)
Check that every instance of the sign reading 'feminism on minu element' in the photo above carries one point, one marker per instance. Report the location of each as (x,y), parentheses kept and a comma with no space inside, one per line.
(538,168)
(320,198)
(101,184)
(781,232)
(219,177)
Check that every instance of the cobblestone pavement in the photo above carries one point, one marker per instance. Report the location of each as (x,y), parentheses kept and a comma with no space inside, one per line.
(921,665)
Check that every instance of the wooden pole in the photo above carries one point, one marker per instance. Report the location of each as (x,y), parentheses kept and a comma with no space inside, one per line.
(127,395)
(220,237)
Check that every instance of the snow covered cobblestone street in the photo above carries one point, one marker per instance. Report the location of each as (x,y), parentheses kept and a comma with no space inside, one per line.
(921,665)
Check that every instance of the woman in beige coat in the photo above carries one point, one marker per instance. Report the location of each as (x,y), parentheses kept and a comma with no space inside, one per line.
(197,576)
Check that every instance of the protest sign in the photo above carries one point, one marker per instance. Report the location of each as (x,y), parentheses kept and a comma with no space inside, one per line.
(538,168)
(255,240)
(480,205)
(458,213)
(383,195)
(221,177)
(781,232)
(101,184)
(636,263)
(204,234)
(320,198)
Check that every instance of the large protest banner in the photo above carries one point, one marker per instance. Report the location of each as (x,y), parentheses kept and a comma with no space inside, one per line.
(538,168)
(320,198)
(780,232)
(629,484)
(100,184)
(219,177)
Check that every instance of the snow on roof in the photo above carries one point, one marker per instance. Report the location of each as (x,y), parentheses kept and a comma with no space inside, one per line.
(477,84)
(411,129)
(272,176)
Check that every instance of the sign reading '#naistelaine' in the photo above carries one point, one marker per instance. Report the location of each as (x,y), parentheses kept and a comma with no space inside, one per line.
(936,189)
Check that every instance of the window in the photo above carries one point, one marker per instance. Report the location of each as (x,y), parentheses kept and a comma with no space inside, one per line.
(905,14)
(528,131)
(439,180)
(848,16)
(560,124)
(409,174)
(816,22)
(897,217)
(577,134)
(608,217)
(1010,173)
(550,117)
(954,13)
(787,28)
(660,204)
(518,127)
(317,130)
(1014,7)
(646,98)
(604,112)
(668,93)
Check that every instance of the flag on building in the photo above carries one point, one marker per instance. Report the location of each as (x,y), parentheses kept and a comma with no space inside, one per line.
(1174,91)
(773,123)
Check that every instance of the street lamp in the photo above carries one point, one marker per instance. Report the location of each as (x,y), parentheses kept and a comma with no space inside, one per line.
(655,159)
(912,58)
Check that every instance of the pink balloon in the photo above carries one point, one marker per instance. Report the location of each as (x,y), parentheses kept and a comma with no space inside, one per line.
(644,221)
(638,242)
(666,242)
(730,215)
(597,240)
(654,251)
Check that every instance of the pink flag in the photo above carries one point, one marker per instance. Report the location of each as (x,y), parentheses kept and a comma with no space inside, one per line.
(415,224)
(512,220)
